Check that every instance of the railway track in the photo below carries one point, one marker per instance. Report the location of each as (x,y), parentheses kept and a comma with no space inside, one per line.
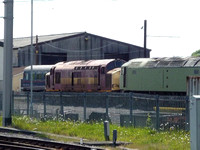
(25,143)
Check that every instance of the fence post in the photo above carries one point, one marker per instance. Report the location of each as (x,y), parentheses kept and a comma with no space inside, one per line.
(157,113)
(85,105)
(131,109)
(44,103)
(107,105)
(61,105)
(187,114)
(28,103)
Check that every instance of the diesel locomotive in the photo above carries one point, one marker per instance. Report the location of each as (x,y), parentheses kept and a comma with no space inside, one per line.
(85,76)
(158,75)
(38,75)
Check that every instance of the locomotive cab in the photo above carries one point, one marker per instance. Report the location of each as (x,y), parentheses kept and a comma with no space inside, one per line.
(113,79)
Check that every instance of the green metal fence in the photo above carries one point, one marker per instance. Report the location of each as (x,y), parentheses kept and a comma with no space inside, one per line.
(125,109)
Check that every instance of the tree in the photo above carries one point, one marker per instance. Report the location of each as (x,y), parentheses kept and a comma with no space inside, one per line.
(196,53)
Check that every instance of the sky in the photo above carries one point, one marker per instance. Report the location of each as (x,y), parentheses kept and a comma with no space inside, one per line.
(173,26)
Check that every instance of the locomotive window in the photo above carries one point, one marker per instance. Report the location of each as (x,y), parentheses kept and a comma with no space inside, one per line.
(26,76)
(34,76)
(57,76)
(124,77)
(41,76)
(48,81)
(124,70)
(38,76)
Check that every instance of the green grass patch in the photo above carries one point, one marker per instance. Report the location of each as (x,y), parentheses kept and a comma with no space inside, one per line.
(141,138)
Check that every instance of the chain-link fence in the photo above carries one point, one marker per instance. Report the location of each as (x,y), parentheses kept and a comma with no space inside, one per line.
(125,109)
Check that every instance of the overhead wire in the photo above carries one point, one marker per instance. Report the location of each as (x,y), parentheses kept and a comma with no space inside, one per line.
(159,36)
(76,50)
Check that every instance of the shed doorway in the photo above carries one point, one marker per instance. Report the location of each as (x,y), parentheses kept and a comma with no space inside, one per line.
(53,58)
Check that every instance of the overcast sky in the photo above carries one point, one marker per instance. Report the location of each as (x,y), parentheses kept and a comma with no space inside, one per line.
(173,26)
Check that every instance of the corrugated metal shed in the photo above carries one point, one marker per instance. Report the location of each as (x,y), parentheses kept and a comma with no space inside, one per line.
(51,49)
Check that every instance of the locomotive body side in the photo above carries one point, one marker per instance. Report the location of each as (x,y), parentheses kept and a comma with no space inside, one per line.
(157,79)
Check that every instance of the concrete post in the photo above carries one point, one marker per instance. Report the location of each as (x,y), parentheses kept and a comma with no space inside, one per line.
(195,122)
(107,130)
(7,62)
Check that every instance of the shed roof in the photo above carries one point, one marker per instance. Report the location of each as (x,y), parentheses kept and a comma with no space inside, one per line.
(26,41)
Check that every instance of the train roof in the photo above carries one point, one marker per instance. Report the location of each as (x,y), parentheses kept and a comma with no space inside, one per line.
(38,67)
(163,62)
(99,62)
(81,63)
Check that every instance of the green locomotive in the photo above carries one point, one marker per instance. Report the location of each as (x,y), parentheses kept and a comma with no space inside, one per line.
(158,75)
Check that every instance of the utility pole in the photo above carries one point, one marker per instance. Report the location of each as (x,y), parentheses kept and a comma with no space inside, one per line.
(31,53)
(7,62)
(145,38)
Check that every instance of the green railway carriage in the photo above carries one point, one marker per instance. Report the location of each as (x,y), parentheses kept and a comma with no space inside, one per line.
(158,75)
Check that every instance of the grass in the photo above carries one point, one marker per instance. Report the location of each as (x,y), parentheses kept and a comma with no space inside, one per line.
(141,138)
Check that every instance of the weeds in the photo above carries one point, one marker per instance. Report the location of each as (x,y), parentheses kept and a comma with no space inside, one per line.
(142,138)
